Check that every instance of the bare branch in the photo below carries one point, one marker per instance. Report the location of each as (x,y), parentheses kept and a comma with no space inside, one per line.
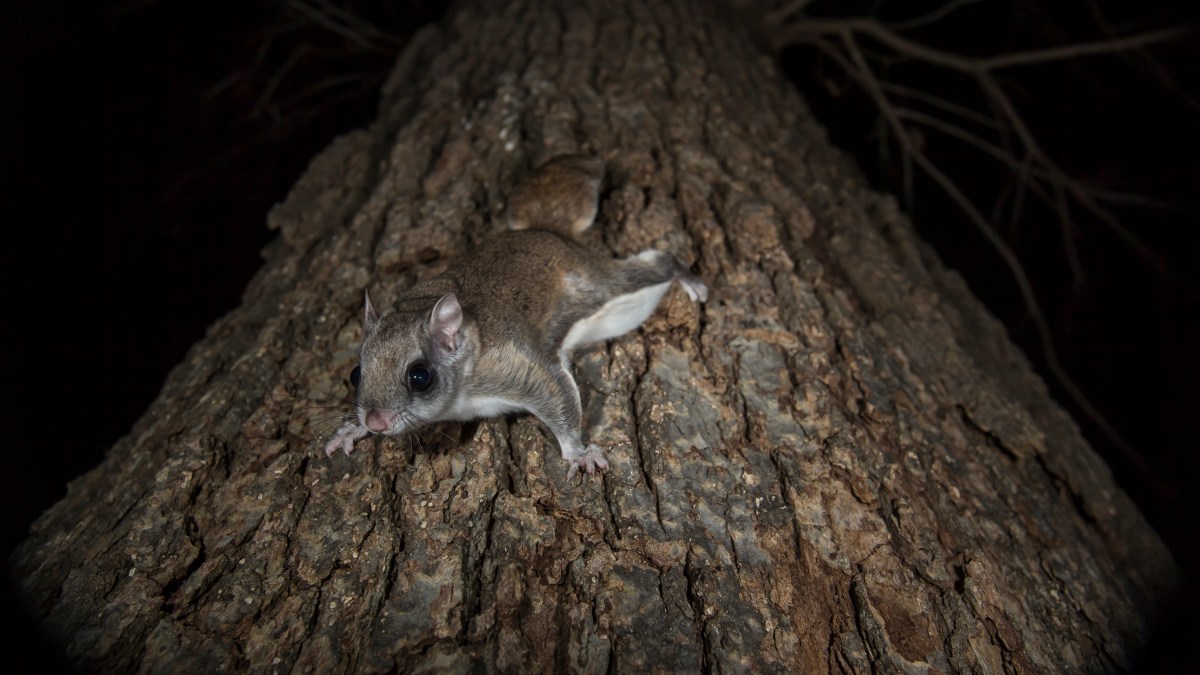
(1067,52)
(265,97)
(799,31)
(365,80)
(1102,214)
(940,103)
(802,31)
(1131,199)
(932,17)
(353,22)
(1023,184)
(337,25)
(786,12)
(1005,157)
(1068,236)
(958,132)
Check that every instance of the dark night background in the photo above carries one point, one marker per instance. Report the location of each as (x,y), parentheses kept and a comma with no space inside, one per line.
(143,142)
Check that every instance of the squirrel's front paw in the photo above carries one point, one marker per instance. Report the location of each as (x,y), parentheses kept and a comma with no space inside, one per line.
(343,439)
(591,461)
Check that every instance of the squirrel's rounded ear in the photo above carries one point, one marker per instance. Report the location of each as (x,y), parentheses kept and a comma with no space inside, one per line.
(370,316)
(444,322)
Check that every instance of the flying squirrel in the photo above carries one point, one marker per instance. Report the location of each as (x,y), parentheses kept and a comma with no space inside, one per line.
(492,335)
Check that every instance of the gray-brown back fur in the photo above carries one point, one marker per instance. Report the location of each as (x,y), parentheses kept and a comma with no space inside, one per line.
(547,283)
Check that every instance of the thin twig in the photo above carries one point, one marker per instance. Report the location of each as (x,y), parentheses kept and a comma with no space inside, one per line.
(965,64)
(1068,236)
(1024,171)
(940,103)
(931,17)
(276,78)
(786,12)
(1018,166)
(330,23)
(1081,49)
(354,22)
(327,83)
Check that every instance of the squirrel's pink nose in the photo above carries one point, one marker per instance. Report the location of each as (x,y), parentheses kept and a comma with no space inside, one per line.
(379,421)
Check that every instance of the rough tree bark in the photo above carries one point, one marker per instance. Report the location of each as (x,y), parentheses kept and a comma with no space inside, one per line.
(839,464)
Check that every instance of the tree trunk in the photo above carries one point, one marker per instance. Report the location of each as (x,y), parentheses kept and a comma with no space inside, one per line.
(840,463)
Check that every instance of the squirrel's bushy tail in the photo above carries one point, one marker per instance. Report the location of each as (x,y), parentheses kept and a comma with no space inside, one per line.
(562,195)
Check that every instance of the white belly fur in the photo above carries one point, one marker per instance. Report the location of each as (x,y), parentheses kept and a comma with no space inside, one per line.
(617,317)
(479,407)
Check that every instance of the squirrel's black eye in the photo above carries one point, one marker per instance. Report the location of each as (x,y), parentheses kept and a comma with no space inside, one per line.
(419,377)
(355,375)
